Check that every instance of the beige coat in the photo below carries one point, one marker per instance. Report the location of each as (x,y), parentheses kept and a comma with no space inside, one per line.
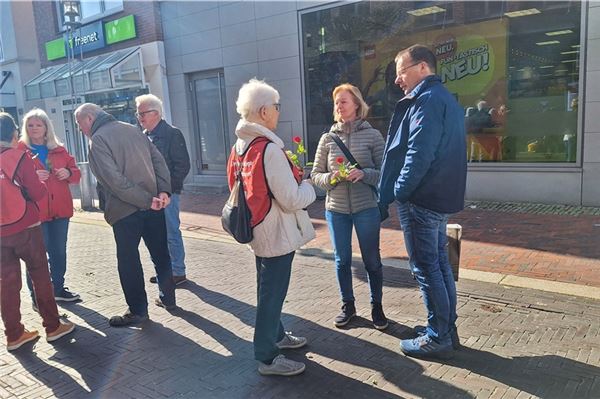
(366,145)
(287,226)
(128,167)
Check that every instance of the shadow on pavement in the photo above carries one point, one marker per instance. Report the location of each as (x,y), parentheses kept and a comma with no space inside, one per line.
(153,360)
(547,376)
(400,371)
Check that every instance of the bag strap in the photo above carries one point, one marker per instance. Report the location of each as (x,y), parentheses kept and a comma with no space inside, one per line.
(349,156)
(345,150)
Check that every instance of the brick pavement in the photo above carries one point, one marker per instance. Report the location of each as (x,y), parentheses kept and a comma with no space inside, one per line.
(557,247)
(519,343)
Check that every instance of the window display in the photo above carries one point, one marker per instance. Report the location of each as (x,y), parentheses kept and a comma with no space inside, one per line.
(513,66)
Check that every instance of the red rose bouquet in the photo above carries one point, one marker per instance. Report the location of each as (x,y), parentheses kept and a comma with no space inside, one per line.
(344,169)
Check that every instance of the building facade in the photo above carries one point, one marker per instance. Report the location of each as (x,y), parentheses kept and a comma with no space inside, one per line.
(19,60)
(114,53)
(525,72)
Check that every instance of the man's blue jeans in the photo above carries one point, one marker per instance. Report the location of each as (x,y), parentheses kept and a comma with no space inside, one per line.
(367,226)
(55,238)
(149,225)
(176,249)
(426,244)
(272,282)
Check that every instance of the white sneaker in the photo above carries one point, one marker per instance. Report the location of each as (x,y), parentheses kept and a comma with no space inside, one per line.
(281,366)
(291,342)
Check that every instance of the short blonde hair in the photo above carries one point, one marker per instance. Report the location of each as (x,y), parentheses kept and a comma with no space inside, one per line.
(253,96)
(150,99)
(51,140)
(363,108)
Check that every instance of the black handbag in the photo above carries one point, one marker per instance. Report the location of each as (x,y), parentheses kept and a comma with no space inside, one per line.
(236,217)
(383,211)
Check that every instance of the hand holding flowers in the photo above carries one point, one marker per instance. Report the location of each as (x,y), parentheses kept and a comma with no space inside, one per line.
(345,171)
(295,156)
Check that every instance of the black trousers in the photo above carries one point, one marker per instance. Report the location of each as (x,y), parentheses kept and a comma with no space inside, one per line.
(149,225)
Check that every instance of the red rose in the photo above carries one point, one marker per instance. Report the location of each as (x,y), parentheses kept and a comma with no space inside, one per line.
(297,139)
(339,160)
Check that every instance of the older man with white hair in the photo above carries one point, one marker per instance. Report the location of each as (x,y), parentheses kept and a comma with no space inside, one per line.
(170,142)
(135,183)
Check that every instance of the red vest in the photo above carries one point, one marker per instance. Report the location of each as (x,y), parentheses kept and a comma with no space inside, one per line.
(256,188)
(12,202)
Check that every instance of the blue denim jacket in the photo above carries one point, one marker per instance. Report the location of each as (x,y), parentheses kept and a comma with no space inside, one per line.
(425,158)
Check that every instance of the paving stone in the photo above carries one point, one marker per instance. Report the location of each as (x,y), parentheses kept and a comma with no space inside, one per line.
(537,344)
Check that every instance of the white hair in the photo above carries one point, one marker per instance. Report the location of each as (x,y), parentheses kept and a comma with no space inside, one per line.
(152,101)
(253,96)
(88,109)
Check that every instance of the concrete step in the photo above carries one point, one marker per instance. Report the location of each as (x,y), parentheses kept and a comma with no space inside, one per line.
(204,184)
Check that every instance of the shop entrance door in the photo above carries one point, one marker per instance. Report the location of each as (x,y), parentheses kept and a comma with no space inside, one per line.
(77,143)
(212,142)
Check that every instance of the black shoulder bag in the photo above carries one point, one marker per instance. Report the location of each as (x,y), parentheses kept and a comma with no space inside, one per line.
(236,216)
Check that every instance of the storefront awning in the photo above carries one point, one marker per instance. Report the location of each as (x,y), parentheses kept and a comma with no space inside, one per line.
(119,69)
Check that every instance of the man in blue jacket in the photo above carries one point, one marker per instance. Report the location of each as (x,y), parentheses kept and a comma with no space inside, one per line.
(424,172)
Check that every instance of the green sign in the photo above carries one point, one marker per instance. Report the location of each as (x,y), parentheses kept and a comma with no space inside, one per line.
(55,49)
(120,29)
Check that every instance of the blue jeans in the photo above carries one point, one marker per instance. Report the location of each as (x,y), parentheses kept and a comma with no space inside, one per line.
(55,238)
(174,238)
(149,225)
(272,282)
(426,244)
(367,226)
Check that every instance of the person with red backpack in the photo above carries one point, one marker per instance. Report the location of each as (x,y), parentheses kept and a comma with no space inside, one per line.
(21,238)
(276,196)
(57,169)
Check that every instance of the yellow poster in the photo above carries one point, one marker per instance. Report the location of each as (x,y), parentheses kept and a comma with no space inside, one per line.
(471,60)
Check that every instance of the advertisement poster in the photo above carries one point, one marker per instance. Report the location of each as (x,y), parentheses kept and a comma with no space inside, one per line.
(472,62)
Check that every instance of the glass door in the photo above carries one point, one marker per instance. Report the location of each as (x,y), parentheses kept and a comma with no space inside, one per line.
(77,143)
(212,146)
(212,143)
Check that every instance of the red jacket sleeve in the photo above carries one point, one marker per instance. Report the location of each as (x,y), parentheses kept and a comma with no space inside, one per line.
(29,181)
(72,167)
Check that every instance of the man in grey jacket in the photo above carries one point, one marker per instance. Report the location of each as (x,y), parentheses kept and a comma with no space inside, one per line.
(136,186)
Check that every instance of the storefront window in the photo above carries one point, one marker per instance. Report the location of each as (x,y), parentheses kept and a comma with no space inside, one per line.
(91,10)
(513,66)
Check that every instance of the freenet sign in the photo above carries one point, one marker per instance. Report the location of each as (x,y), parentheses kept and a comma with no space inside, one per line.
(92,37)
(89,38)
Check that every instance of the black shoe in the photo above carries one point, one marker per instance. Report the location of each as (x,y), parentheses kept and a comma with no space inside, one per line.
(127,319)
(422,330)
(153,280)
(348,312)
(160,303)
(379,320)
(66,296)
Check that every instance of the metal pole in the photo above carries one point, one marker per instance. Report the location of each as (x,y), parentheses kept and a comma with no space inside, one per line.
(86,186)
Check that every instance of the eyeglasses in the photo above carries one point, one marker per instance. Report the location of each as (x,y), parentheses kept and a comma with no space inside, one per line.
(277,107)
(403,70)
(142,114)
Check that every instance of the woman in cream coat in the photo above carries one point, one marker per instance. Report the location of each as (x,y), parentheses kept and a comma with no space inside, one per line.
(285,228)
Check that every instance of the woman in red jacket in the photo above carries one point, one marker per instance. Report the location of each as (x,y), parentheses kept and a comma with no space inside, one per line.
(57,169)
